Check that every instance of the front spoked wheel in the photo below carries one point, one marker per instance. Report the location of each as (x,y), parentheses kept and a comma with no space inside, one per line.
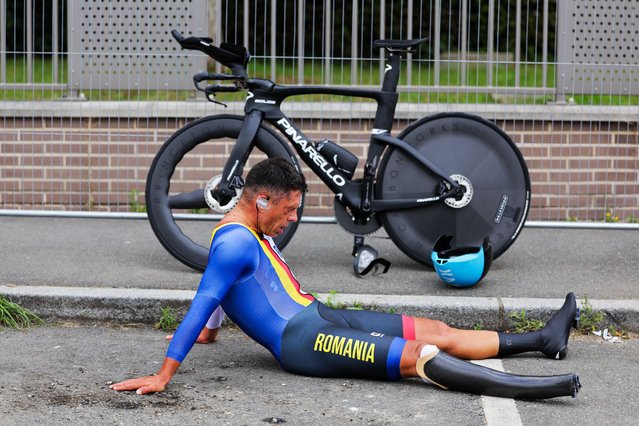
(187,164)
(482,159)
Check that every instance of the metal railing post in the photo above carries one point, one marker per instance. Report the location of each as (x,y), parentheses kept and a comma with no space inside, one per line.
(300,41)
(246,25)
(3,42)
(29,46)
(518,44)
(544,53)
(464,42)
(409,36)
(437,40)
(328,31)
(273,40)
(382,35)
(354,27)
(491,39)
(54,42)
(217,31)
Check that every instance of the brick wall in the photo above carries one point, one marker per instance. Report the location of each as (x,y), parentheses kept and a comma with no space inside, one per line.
(579,170)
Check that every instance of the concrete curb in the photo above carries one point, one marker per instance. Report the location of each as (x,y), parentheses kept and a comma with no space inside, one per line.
(492,313)
(144,306)
(87,304)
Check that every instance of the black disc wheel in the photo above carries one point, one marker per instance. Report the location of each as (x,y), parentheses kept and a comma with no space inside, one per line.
(188,162)
(482,159)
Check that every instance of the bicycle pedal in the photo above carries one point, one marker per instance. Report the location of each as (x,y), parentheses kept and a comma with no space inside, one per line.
(358,241)
(366,260)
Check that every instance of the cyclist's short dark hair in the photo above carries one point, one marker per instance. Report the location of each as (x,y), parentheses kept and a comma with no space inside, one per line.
(275,175)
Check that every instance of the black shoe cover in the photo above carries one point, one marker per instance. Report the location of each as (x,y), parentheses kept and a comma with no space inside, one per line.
(453,373)
(557,331)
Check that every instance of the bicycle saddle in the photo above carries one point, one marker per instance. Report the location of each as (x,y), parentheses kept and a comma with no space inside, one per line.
(398,45)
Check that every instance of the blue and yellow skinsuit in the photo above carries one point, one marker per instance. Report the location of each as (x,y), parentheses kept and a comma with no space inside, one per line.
(248,277)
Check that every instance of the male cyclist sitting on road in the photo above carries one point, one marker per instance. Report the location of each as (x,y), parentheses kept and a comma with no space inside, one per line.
(247,276)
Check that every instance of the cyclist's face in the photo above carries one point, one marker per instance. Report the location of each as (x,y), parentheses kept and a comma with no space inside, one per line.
(281,213)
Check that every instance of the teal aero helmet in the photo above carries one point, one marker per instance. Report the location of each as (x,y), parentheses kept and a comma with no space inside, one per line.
(463,266)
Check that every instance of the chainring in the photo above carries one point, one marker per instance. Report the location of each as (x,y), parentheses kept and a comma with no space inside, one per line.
(347,221)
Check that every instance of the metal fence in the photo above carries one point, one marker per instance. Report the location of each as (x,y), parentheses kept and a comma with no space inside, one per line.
(124,46)
(90,89)
(597,48)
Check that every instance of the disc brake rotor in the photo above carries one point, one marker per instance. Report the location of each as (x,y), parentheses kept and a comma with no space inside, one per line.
(464,182)
(215,204)
(347,220)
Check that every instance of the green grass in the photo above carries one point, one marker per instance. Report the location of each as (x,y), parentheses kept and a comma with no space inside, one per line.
(168,320)
(368,74)
(135,206)
(331,302)
(523,324)
(42,70)
(589,319)
(15,316)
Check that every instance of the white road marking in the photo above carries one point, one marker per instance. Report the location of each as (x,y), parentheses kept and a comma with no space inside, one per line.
(498,411)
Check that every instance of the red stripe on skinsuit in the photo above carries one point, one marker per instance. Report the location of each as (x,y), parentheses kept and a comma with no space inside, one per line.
(286,269)
(408,327)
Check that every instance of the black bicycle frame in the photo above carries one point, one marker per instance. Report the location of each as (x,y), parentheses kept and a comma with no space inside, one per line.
(263,103)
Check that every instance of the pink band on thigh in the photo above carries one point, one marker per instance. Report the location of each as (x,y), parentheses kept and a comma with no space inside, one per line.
(408,327)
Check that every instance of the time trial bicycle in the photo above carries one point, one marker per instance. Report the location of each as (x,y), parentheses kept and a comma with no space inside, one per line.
(447,173)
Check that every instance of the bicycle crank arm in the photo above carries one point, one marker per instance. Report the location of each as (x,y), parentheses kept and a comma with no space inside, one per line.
(188,200)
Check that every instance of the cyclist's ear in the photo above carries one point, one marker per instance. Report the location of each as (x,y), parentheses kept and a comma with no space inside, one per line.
(262,202)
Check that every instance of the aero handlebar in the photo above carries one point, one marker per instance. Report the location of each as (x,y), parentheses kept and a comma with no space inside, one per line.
(234,57)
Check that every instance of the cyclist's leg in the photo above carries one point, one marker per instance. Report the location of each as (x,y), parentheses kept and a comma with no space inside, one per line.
(467,344)
(452,373)
(314,346)
(552,340)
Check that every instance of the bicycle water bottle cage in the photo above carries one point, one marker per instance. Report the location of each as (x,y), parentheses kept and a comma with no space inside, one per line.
(399,46)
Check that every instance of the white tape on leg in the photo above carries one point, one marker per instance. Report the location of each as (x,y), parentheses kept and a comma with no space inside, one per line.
(427,353)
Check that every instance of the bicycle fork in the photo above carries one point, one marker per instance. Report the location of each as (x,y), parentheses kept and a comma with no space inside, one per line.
(232,180)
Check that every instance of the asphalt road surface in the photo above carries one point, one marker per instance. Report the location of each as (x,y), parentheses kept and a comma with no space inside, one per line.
(60,375)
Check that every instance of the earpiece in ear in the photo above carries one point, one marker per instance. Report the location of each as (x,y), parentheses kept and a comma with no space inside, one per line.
(262,202)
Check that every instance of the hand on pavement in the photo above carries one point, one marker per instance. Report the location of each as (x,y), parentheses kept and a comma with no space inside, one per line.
(141,385)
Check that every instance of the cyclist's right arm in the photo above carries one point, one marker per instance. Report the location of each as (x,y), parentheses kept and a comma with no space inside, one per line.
(233,256)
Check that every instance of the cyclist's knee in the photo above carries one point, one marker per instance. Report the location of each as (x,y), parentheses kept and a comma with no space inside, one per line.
(446,336)
(437,333)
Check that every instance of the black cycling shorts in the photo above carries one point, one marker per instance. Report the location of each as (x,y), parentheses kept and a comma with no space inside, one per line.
(325,342)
